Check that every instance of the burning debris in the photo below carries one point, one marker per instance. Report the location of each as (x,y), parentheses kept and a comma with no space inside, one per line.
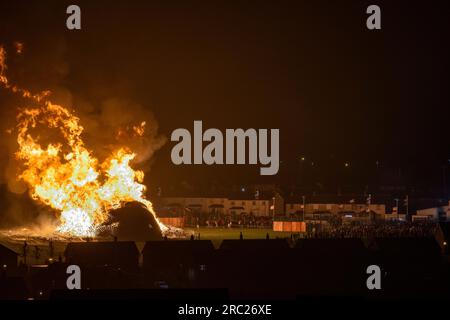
(62,173)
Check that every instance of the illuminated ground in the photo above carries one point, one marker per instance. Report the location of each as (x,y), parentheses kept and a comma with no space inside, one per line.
(216,235)
(39,256)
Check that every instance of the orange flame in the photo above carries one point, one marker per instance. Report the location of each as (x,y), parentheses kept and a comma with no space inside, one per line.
(65,175)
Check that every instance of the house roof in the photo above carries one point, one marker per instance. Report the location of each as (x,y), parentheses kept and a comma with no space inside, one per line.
(254,244)
(244,196)
(445,227)
(95,251)
(216,206)
(331,246)
(174,204)
(4,250)
(177,247)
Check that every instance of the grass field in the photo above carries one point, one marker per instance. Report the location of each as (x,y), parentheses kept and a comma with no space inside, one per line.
(216,235)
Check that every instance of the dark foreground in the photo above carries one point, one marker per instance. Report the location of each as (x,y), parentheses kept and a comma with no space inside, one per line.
(281,269)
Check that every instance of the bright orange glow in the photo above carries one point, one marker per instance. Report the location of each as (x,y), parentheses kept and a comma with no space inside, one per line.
(65,175)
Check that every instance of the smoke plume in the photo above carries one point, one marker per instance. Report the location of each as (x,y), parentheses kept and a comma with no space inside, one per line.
(110,122)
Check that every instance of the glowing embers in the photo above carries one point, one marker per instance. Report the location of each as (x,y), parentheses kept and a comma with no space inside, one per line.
(77,222)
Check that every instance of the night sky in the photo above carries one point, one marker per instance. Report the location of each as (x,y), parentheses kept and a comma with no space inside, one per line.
(337,91)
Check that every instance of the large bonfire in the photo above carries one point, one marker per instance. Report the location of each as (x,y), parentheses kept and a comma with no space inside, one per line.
(65,174)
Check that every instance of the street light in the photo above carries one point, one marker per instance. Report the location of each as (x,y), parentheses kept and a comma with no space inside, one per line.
(396,206)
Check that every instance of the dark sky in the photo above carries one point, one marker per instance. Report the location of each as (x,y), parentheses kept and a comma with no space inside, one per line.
(337,91)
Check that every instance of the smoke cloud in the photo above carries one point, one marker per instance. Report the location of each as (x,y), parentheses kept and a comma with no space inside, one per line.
(110,122)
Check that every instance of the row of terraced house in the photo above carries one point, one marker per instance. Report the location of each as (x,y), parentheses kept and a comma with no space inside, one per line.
(274,205)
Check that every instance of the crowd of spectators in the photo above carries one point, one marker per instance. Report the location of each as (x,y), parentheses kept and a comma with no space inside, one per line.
(229,221)
(341,230)
(378,230)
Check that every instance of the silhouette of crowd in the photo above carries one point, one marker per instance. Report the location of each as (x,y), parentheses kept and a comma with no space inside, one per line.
(229,221)
(378,230)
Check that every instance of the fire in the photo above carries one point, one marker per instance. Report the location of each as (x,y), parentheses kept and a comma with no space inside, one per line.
(66,175)
(140,129)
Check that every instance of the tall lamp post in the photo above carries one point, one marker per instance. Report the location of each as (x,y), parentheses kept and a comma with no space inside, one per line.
(304,207)
(273,206)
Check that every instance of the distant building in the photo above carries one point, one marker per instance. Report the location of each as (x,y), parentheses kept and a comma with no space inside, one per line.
(177,205)
(323,208)
(262,205)
(273,204)
(395,217)
(436,214)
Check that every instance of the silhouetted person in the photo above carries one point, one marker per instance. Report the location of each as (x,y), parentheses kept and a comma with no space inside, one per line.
(37,254)
(51,249)
(192,237)
(59,258)
(241,237)
(165,238)
(25,245)
(267,236)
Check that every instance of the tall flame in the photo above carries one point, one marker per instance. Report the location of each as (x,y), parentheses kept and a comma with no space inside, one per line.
(65,175)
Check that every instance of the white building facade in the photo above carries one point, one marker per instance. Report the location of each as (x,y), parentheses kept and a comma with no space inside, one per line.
(436,214)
